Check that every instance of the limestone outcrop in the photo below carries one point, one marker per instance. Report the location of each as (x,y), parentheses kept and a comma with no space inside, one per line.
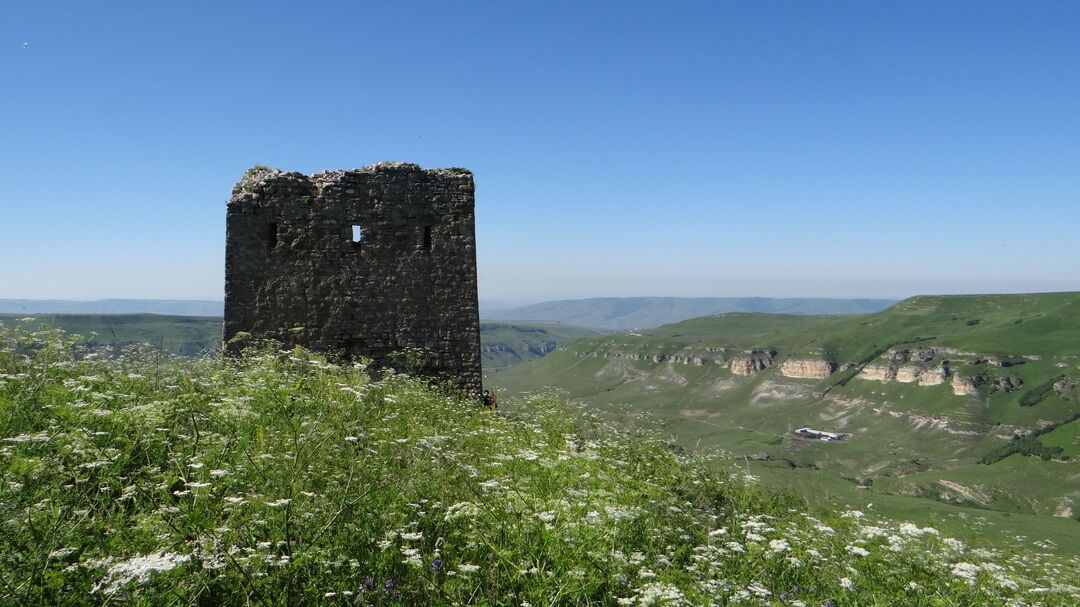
(1008,384)
(746,365)
(688,359)
(933,377)
(963,385)
(881,373)
(807,369)
(906,374)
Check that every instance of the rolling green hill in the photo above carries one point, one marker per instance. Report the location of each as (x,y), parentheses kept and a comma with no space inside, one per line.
(183,335)
(504,344)
(628,313)
(924,390)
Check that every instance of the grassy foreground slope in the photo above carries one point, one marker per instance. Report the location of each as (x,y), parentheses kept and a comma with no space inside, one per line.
(1015,355)
(284,479)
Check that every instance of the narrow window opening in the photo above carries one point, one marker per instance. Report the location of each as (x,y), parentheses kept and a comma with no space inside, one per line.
(357,235)
(272,235)
(427,239)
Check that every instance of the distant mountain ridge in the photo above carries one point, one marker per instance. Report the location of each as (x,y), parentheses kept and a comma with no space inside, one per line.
(173,307)
(625,313)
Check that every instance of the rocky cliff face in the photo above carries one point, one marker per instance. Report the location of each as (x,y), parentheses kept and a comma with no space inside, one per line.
(933,377)
(963,385)
(807,369)
(757,360)
(908,373)
(925,376)
(881,373)
(745,366)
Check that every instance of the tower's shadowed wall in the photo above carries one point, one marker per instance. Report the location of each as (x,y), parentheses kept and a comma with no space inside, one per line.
(369,262)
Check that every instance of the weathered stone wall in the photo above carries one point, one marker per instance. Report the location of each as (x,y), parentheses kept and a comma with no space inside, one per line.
(410,281)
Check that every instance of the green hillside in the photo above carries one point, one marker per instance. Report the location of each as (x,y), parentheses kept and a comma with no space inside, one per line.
(628,313)
(287,480)
(183,335)
(1015,358)
(504,344)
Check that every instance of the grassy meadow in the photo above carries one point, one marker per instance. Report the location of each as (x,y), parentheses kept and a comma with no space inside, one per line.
(282,478)
(914,451)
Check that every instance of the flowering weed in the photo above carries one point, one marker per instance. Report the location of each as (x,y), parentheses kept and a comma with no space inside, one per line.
(280,478)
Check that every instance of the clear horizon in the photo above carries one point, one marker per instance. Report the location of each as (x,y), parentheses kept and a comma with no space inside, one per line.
(839,150)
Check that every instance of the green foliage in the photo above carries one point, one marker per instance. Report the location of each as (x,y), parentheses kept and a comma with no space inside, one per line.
(1026,445)
(460,170)
(1033,396)
(411,360)
(279,478)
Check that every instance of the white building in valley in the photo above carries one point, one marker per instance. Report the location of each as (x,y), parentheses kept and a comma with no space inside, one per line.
(818,434)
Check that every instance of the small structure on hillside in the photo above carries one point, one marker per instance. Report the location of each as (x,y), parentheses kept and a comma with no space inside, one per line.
(818,434)
(368,262)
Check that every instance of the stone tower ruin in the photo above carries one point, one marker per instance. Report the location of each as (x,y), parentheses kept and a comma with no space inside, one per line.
(369,262)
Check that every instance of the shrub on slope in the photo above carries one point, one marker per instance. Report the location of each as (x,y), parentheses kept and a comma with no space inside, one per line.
(284,479)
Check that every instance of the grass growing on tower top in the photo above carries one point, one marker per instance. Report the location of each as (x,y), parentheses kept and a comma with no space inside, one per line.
(281,478)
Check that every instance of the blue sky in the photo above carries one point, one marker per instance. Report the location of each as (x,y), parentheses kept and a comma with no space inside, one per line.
(633,148)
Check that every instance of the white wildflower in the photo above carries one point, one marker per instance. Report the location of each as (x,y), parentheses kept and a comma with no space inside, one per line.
(954,544)
(966,571)
(28,438)
(412,557)
(468,568)
(779,545)
(138,570)
(758,589)
(461,509)
(857,550)
(911,530)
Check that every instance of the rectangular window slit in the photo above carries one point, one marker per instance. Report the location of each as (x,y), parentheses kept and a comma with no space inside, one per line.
(427,239)
(357,234)
(272,235)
